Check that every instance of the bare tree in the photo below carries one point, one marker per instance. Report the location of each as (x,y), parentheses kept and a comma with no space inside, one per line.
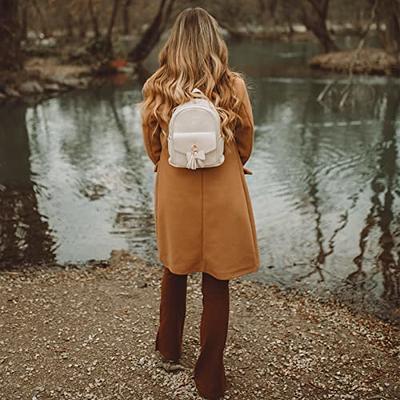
(10,56)
(389,14)
(111,24)
(153,33)
(232,18)
(69,24)
(126,20)
(24,20)
(82,25)
(41,16)
(314,14)
(94,19)
(268,9)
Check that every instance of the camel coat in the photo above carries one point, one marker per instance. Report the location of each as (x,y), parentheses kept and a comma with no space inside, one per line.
(204,217)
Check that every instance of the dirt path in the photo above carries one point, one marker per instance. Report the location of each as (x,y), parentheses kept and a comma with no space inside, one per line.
(89,334)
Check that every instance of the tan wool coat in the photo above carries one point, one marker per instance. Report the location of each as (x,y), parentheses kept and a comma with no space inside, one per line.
(204,218)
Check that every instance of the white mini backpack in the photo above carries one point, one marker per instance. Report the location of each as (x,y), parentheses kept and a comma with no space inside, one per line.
(194,135)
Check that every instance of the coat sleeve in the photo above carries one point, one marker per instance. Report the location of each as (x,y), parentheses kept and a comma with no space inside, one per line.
(244,133)
(152,143)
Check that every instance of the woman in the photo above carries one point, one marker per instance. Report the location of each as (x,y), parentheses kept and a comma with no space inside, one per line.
(204,217)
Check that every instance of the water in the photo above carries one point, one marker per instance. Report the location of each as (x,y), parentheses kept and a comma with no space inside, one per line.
(75,182)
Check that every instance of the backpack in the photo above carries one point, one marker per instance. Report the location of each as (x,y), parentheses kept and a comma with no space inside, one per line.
(194,135)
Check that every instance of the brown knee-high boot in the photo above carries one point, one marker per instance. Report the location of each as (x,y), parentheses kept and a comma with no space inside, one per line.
(209,372)
(172,315)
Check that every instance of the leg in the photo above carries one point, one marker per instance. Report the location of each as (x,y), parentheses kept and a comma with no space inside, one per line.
(172,315)
(209,372)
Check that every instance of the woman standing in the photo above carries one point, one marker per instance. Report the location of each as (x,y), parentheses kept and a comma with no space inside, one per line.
(204,217)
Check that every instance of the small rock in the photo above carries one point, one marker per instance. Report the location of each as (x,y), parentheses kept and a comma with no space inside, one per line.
(142,360)
(31,87)
(141,284)
(11,92)
(73,82)
(52,87)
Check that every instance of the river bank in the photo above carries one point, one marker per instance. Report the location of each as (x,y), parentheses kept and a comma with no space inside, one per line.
(88,333)
(368,61)
(44,77)
(50,71)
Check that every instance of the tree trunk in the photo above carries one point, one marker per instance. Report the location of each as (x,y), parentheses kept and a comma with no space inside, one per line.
(42,20)
(153,33)
(112,23)
(10,55)
(126,20)
(93,18)
(268,10)
(82,25)
(389,13)
(24,21)
(314,14)
(69,25)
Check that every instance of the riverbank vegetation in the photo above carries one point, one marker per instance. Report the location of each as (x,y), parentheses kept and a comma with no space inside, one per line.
(49,46)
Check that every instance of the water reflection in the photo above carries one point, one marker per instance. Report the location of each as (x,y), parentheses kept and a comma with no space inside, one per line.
(386,182)
(76,183)
(24,231)
(97,172)
(326,190)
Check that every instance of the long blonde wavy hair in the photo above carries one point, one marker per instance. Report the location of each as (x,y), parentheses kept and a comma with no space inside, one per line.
(194,55)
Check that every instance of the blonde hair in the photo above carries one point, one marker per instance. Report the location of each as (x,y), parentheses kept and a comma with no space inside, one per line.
(194,55)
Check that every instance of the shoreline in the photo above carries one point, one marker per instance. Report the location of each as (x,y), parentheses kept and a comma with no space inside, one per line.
(50,74)
(45,77)
(366,61)
(88,332)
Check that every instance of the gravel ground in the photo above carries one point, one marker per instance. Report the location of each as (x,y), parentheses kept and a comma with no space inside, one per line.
(88,333)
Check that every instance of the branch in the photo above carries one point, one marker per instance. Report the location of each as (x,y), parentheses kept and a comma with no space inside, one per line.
(346,91)
(361,43)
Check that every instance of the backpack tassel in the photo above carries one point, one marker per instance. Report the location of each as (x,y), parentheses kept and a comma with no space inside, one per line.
(195,158)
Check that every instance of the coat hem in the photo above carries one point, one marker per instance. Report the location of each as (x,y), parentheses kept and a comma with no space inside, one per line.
(227,276)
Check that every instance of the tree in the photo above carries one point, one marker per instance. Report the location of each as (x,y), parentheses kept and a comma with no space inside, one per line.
(153,33)
(94,19)
(10,55)
(268,11)
(233,18)
(126,20)
(42,19)
(314,14)
(102,46)
(389,14)
(24,21)
(111,24)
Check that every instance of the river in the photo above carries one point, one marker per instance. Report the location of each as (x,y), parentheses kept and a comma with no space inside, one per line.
(75,181)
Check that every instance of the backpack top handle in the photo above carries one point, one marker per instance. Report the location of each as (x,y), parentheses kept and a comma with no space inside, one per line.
(196,90)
